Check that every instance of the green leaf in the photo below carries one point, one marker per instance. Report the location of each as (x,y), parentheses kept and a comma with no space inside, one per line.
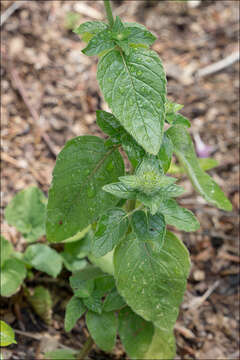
(74,310)
(113,301)
(165,153)
(6,250)
(172,107)
(13,273)
(135,333)
(202,182)
(134,86)
(79,235)
(140,36)
(93,303)
(149,228)
(152,283)
(60,354)
(80,249)
(135,153)
(103,329)
(7,336)
(118,26)
(105,263)
(43,258)
(207,163)
(71,263)
(162,346)
(120,190)
(108,123)
(90,28)
(111,228)
(99,43)
(27,211)
(76,198)
(178,216)
(42,303)
(82,281)
(177,119)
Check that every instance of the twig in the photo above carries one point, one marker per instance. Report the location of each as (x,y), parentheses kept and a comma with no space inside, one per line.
(32,111)
(16,5)
(220,65)
(198,301)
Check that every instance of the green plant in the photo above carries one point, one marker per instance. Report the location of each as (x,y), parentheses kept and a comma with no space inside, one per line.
(135,275)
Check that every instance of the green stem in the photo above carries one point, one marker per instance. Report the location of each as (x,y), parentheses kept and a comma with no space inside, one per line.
(109,12)
(85,350)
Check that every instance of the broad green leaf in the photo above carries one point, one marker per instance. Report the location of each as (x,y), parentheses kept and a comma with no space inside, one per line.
(135,153)
(6,250)
(135,333)
(202,182)
(140,36)
(105,263)
(7,336)
(13,273)
(60,354)
(74,310)
(175,215)
(93,303)
(43,258)
(162,346)
(149,228)
(82,281)
(79,235)
(42,303)
(90,28)
(111,228)
(134,86)
(152,283)
(120,190)
(113,301)
(27,211)
(207,163)
(108,123)
(71,263)
(103,329)
(165,153)
(99,43)
(76,198)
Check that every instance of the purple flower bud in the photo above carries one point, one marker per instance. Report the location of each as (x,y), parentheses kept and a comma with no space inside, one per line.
(203,150)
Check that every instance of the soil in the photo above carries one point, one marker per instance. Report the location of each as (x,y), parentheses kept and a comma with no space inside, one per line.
(50,94)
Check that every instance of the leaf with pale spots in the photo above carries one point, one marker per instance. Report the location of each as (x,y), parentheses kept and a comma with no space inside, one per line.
(76,198)
(134,86)
(152,283)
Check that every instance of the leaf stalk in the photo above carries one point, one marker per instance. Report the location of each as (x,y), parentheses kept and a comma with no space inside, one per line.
(109,13)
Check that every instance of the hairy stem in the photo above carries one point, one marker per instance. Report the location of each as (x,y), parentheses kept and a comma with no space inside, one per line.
(85,350)
(109,12)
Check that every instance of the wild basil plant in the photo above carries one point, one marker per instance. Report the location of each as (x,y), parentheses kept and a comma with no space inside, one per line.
(138,269)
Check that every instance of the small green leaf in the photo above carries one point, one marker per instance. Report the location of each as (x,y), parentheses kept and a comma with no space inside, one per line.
(42,303)
(178,119)
(172,107)
(203,183)
(43,258)
(140,36)
(6,250)
(93,303)
(178,216)
(80,249)
(13,273)
(134,86)
(90,28)
(165,153)
(74,310)
(71,263)
(113,301)
(105,263)
(149,228)
(120,190)
(99,43)
(152,283)
(60,354)
(111,228)
(27,211)
(108,123)
(207,163)
(76,198)
(103,329)
(118,26)
(82,281)
(135,333)
(162,346)
(7,336)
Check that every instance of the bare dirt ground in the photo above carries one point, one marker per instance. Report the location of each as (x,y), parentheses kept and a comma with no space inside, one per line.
(50,94)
